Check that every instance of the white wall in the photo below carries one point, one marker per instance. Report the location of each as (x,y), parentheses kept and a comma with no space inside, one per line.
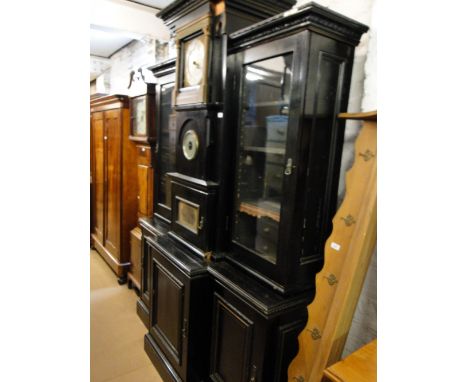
(128,16)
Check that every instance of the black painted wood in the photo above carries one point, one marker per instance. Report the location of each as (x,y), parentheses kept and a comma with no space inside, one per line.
(179,323)
(238,318)
(150,228)
(261,325)
(321,73)
(165,137)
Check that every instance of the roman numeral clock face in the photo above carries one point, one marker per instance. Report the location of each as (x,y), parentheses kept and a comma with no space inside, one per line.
(194,61)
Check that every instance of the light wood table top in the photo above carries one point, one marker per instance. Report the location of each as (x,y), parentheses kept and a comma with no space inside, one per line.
(360,366)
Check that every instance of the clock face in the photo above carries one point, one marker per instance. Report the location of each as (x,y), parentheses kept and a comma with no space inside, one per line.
(194,61)
(190,144)
(139,116)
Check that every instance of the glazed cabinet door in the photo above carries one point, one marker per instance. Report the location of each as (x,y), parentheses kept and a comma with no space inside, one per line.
(166,143)
(270,89)
(113,149)
(169,311)
(98,174)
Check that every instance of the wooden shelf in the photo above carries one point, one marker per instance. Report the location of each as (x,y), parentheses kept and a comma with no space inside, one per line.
(266,104)
(360,366)
(261,208)
(266,150)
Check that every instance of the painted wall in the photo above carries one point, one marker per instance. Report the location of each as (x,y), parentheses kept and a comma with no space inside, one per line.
(128,16)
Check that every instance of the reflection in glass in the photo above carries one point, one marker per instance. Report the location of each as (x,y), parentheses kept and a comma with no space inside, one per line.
(261,157)
(167,137)
(139,116)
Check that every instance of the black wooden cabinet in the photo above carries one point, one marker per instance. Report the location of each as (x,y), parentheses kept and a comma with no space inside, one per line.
(254,330)
(290,77)
(236,239)
(178,338)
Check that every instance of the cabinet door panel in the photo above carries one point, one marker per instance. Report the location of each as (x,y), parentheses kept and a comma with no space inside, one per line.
(168,313)
(113,149)
(232,343)
(98,174)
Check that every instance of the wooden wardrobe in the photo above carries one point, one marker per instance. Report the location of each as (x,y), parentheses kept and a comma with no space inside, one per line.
(114,181)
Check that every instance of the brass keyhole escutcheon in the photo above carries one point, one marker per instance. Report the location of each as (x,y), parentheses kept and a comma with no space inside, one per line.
(332,280)
(348,220)
(299,379)
(315,333)
(367,155)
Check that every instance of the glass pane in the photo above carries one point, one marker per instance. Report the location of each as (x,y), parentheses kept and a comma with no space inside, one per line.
(139,115)
(261,158)
(167,144)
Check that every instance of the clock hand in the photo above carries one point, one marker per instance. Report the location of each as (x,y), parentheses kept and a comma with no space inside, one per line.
(196,64)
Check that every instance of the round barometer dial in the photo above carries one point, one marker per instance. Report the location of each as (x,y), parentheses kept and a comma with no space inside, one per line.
(194,62)
(190,144)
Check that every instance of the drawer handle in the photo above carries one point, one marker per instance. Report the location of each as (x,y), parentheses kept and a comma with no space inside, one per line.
(266,230)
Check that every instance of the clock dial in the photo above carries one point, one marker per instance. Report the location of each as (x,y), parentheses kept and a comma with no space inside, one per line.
(190,144)
(194,61)
(139,121)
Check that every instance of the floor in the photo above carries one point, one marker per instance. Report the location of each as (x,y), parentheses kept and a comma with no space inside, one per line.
(117,353)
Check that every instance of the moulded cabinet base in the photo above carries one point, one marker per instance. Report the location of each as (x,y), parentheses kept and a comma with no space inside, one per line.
(120,269)
(143,312)
(260,325)
(160,362)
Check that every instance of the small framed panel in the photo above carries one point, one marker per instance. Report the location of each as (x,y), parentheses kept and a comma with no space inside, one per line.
(139,126)
(142,116)
(190,220)
(188,214)
(193,48)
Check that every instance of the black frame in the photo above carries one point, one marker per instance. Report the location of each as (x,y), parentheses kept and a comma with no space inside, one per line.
(165,74)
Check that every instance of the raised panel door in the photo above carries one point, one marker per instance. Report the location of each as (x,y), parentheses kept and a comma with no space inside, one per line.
(168,322)
(113,148)
(232,344)
(98,174)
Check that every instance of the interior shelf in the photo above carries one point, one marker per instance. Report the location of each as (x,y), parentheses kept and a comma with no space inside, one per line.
(266,104)
(267,150)
(261,208)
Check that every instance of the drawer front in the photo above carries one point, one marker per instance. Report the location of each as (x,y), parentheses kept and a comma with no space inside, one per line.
(144,155)
(267,228)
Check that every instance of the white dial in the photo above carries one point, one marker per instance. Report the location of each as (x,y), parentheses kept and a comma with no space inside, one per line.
(190,144)
(194,61)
